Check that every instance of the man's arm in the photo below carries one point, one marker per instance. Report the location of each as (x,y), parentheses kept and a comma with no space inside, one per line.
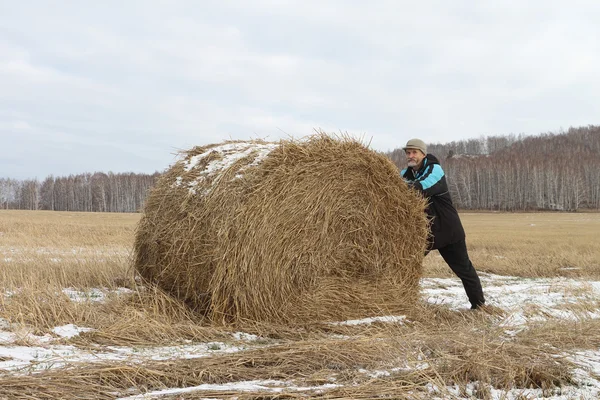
(431,183)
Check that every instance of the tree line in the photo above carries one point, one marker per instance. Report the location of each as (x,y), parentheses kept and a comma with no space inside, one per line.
(551,171)
(99,192)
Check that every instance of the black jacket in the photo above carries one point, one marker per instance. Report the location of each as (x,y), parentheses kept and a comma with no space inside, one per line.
(430,180)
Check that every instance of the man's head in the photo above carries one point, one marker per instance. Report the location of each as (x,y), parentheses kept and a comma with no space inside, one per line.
(415,151)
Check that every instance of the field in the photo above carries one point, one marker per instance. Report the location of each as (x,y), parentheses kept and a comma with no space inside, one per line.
(75,323)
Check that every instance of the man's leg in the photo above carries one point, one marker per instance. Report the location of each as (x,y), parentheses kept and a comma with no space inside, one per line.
(457,258)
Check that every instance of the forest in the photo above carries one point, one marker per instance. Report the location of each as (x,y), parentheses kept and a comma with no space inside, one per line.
(98,192)
(550,171)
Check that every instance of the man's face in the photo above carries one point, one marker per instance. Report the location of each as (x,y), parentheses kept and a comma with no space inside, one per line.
(414,157)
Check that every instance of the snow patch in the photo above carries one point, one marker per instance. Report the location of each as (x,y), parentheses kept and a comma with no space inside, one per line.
(523,300)
(228,154)
(69,330)
(93,294)
(7,337)
(245,337)
(47,356)
(394,319)
(243,386)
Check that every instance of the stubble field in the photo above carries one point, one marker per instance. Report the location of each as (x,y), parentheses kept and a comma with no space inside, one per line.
(75,323)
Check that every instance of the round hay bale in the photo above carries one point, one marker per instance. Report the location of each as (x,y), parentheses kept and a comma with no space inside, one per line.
(295,231)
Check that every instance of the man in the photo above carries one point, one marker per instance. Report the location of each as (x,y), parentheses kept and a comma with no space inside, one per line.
(425,174)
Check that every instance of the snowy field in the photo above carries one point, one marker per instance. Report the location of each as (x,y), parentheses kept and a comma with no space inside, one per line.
(74,323)
(524,301)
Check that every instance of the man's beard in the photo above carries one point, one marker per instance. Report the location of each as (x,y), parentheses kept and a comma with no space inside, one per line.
(412,163)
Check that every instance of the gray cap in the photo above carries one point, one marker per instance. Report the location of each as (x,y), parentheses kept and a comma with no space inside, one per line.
(416,144)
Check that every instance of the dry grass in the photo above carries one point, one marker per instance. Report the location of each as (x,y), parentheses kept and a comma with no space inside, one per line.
(441,347)
(437,347)
(66,249)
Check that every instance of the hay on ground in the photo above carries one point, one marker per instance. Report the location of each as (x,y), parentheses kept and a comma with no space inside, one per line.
(294,231)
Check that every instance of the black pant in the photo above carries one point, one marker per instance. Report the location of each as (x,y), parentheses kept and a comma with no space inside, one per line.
(457,258)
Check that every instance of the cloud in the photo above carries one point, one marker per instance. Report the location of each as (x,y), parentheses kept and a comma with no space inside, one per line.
(120,86)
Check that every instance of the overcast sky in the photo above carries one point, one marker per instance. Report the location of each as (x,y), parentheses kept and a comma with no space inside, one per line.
(122,85)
